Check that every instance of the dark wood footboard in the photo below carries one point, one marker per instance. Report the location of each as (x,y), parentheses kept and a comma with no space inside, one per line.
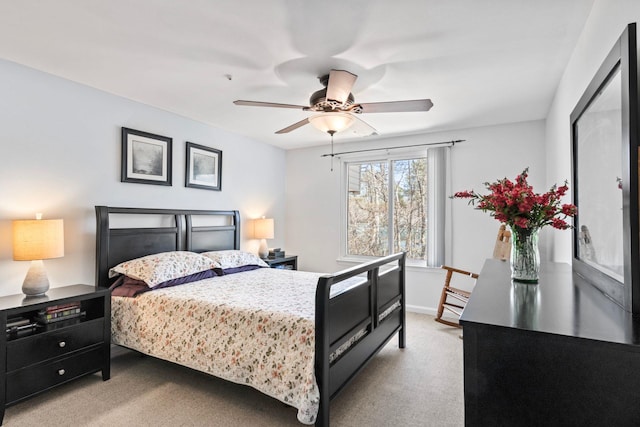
(341,316)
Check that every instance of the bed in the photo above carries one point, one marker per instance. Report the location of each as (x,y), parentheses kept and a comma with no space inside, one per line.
(325,335)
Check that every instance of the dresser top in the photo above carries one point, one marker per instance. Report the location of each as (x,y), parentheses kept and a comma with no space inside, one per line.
(561,303)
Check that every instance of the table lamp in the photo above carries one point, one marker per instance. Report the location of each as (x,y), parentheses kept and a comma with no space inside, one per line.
(263,229)
(35,240)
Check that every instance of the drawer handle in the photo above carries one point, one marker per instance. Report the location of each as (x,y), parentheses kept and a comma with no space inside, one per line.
(61,372)
(62,344)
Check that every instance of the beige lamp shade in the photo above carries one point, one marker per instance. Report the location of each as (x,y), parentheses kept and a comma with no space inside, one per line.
(263,228)
(38,239)
(331,122)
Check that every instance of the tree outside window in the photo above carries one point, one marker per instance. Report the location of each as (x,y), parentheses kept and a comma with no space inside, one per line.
(387,207)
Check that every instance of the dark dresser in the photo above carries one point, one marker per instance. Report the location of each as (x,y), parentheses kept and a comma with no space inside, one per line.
(558,353)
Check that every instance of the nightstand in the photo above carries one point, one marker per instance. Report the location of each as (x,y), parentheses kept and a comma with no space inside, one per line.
(35,357)
(287,262)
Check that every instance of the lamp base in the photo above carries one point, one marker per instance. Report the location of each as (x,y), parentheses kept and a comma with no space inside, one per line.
(263,250)
(36,283)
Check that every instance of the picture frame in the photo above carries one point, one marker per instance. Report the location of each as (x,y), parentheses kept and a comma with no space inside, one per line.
(605,137)
(203,167)
(146,158)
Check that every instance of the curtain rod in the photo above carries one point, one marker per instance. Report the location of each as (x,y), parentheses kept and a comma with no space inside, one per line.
(393,148)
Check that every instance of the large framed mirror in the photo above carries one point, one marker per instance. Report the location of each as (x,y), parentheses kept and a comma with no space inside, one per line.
(604,134)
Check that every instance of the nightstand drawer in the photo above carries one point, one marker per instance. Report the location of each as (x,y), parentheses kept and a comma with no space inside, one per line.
(37,378)
(37,348)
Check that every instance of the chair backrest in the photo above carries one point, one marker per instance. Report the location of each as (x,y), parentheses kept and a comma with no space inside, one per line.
(454,299)
(502,249)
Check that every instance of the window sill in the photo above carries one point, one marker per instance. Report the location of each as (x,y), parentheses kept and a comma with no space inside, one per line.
(409,264)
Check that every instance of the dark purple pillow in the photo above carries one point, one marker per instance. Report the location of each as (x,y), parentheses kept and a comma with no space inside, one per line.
(240,269)
(126,286)
(190,278)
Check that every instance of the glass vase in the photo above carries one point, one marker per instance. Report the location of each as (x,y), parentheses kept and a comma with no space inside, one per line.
(525,256)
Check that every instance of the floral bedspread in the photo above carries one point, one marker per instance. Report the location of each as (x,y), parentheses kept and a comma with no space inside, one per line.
(254,328)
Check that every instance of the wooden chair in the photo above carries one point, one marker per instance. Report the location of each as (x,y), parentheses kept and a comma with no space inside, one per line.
(454,299)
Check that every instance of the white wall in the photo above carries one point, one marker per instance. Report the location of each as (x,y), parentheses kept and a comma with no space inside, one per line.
(61,156)
(606,22)
(489,153)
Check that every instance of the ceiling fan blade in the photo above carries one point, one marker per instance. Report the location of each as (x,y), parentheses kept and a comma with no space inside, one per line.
(339,85)
(395,106)
(362,128)
(268,104)
(294,126)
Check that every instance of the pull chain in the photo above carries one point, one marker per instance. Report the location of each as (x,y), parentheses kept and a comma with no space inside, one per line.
(331,132)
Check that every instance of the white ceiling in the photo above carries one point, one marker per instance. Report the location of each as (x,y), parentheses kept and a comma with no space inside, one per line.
(480,62)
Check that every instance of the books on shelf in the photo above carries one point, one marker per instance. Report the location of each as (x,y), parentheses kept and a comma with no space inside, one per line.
(56,313)
(59,307)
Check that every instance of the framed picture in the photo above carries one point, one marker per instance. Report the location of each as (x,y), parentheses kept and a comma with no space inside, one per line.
(146,158)
(204,167)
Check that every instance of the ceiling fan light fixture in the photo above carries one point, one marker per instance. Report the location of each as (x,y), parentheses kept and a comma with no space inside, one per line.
(331,122)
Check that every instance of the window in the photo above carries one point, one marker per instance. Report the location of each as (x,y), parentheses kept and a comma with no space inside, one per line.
(392,205)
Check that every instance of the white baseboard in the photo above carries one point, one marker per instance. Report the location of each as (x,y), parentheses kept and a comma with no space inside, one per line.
(421,309)
(430,311)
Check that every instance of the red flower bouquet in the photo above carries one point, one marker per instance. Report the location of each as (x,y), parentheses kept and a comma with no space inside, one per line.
(515,204)
(525,212)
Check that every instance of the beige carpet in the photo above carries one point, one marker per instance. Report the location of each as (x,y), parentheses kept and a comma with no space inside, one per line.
(421,385)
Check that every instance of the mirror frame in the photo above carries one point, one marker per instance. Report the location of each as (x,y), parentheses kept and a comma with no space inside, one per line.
(624,56)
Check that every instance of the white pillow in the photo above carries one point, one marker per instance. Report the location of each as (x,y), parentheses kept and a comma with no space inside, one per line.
(158,268)
(234,258)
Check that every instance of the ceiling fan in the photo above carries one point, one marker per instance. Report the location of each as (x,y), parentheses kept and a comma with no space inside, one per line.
(336,105)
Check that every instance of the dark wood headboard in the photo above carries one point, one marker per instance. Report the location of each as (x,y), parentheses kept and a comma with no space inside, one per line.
(127,233)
